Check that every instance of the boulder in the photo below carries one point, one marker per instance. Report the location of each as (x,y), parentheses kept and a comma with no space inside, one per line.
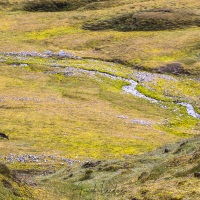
(63,54)
(48,53)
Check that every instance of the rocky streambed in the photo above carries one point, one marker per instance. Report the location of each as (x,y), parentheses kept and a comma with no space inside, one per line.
(131,88)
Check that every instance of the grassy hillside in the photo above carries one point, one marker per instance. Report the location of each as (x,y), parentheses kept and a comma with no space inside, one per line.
(11,187)
(54,117)
(56,113)
(148,50)
(171,172)
(74,133)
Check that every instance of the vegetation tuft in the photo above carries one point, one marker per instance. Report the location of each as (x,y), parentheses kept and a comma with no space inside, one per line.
(4,170)
(55,5)
(150,20)
(155,175)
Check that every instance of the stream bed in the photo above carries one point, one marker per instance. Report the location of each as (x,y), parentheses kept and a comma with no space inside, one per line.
(131,88)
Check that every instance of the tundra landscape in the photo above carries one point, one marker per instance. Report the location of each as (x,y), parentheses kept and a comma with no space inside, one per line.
(100,99)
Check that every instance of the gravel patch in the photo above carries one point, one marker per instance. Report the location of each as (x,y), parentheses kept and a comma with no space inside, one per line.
(46,54)
(141,122)
(28,158)
(148,77)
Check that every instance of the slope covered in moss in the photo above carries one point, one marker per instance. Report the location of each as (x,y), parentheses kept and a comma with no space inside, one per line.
(90,89)
(170,172)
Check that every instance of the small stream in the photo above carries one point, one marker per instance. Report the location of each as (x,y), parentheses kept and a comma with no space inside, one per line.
(190,110)
(131,88)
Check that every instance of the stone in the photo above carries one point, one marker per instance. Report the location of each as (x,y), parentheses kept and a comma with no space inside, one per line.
(90,164)
(62,53)
(167,150)
(197,174)
(48,53)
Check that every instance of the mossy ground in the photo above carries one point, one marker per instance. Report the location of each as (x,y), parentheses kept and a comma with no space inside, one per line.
(156,175)
(89,117)
(79,117)
(57,111)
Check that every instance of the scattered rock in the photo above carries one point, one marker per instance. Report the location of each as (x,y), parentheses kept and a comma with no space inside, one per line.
(183,143)
(63,54)
(91,164)
(20,65)
(197,174)
(12,158)
(149,77)
(122,117)
(167,150)
(141,122)
(46,54)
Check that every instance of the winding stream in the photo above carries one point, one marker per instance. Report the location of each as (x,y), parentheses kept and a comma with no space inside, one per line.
(131,88)
(190,110)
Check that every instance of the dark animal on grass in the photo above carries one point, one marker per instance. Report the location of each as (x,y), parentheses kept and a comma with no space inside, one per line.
(4,136)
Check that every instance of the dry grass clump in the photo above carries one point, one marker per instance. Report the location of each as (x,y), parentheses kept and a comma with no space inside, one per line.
(152,20)
(55,5)
(47,5)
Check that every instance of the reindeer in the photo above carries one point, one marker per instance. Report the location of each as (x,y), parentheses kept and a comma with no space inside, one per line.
(4,136)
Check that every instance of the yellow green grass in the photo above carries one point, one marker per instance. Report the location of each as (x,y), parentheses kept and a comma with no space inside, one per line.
(87,117)
(79,116)
(74,116)
(62,30)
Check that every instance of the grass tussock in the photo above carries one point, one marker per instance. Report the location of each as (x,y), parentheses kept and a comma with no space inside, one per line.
(55,5)
(11,187)
(152,20)
(147,176)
